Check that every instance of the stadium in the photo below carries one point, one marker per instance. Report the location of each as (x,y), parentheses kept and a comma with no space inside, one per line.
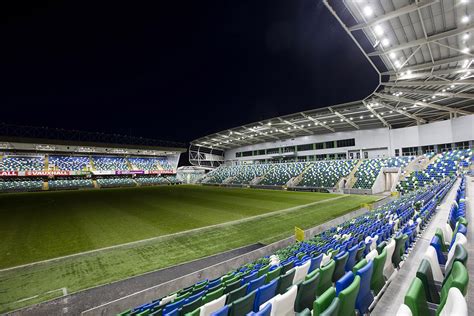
(358,208)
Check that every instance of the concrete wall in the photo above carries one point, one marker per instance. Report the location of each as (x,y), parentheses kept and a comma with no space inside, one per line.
(147,295)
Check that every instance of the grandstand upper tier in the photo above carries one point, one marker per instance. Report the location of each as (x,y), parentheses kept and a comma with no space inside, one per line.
(79,154)
(422,53)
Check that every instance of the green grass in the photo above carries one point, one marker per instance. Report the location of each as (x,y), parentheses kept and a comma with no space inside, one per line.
(46,225)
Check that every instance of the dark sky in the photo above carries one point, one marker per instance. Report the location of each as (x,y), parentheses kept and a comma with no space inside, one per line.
(173,70)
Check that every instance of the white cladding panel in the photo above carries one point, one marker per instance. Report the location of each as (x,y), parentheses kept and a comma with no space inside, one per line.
(382,141)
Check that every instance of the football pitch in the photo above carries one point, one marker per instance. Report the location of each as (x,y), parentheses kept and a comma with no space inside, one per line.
(108,235)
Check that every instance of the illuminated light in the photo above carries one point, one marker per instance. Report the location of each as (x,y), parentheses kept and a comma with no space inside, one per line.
(444,90)
(397,63)
(371,115)
(385,42)
(392,55)
(408,72)
(269,124)
(309,125)
(351,118)
(315,124)
(324,122)
(288,128)
(433,97)
(378,30)
(391,112)
(368,11)
(404,108)
(361,117)
(424,100)
(465,19)
(332,121)
(465,36)
(465,50)
(342,120)
(452,86)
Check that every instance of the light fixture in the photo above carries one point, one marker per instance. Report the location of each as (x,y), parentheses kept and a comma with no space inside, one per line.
(342,120)
(385,42)
(351,118)
(465,36)
(404,108)
(392,55)
(397,63)
(465,19)
(332,121)
(465,50)
(361,117)
(368,11)
(444,90)
(452,86)
(408,72)
(424,100)
(433,97)
(371,115)
(378,30)
(391,112)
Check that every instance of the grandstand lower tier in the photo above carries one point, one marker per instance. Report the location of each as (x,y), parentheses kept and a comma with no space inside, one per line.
(345,269)
(32,184)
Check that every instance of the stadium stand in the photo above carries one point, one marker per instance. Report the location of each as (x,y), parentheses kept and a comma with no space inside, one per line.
(70,183)
(341,269)
(246,173)
(151,180)
(442,277)
(326,174)
(370,168)
(19,163)
(109,163)
(20,184)
(281,173)
(139,163)
(111,182)
(68,163)
(445,164)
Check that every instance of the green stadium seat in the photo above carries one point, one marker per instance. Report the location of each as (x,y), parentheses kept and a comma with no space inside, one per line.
(378,280)
(271,275)
(325,279)
(285,281)
(415,299)
(425,275)
(243,305)
(324,300)
(306,293)
(237,293)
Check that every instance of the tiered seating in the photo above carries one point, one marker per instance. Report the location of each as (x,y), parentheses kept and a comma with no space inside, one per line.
(334,273)
(247,173)
(172,179)
(442,278)
(139,163)
(20,184)
(151,180)
(326,174)
(68,163)
(370,169)
(281,173)
(110,182)
(18,163)
(110,163)
(446,164)
(220,174)
(71,183)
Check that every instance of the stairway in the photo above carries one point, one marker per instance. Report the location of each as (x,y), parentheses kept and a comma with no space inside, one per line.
(293,182)
(129,165)
(257,180)
(91,162)
(46,162)
(351,179)
(417,164)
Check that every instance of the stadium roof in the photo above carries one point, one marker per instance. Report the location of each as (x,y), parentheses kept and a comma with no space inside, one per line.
(423,52)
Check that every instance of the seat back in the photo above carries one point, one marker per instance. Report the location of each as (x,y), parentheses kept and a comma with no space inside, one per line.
(229,287)
(273,274)
(425,274)
(287,267)
(455,304)
(359,265)
(285,281)
(237,294)
(284,304)
(323,301)
(224,311)
(306,293)
(431,256)
(255,284)
(415,299)
(436,244)
(388,266)
(360,251)
(250,277)
(210,296)
(315,262)
(340,268)
(333,309)
(439,233)
(457,253)
(378,281)
(325,279)
(344,282)
(371,255)
(243,305)
(398,251)
(263,270)
(348,297)
(404,310)
(301,272)
(325,260)
(265,311)
(365,296)
(265,293)
(351,259)
(458,277)
(212,306)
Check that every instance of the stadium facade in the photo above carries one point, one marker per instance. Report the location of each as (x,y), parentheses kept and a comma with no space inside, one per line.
(424,102)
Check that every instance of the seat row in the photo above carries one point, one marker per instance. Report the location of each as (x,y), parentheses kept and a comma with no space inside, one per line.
(442,278)
(334,273)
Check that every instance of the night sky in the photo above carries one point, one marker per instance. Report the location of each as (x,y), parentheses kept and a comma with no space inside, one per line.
(173,70)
